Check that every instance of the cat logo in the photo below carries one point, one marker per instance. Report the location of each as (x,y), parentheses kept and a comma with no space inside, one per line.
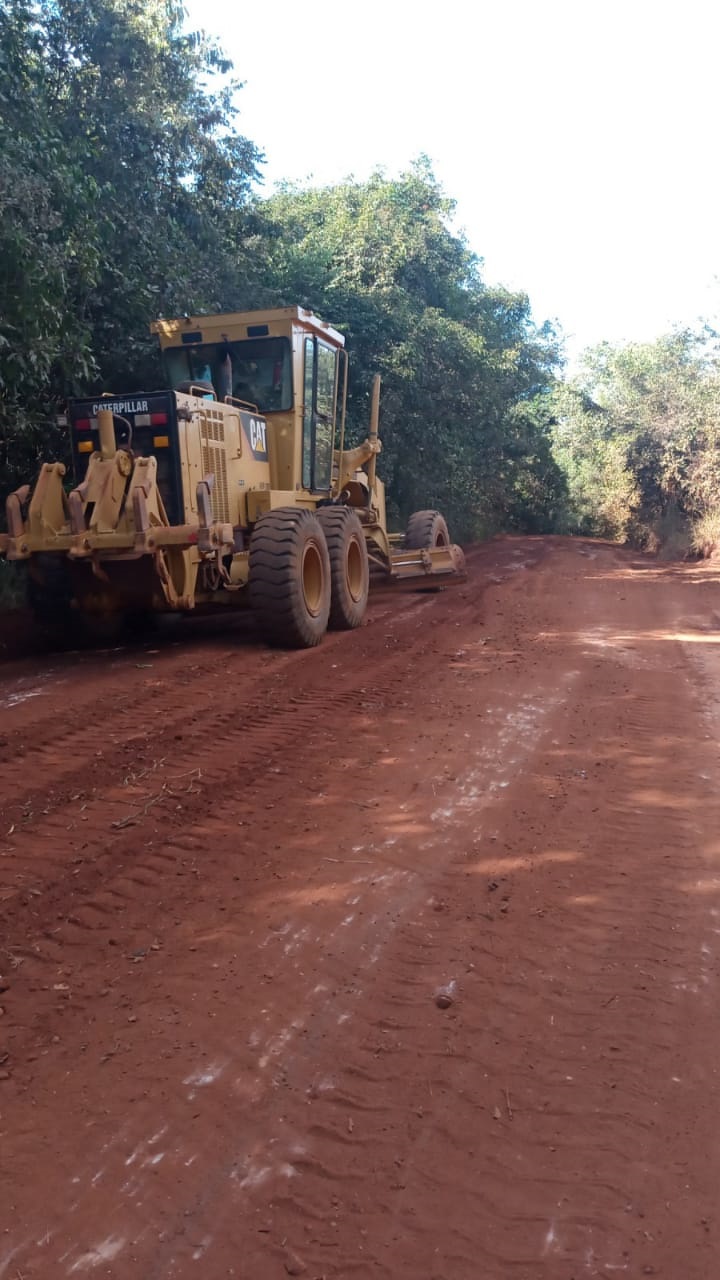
(256,432)
(121,406)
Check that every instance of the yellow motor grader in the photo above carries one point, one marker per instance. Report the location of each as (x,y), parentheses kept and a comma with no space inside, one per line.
(232,487)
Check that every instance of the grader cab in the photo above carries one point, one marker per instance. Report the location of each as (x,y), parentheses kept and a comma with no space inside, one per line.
(232,487)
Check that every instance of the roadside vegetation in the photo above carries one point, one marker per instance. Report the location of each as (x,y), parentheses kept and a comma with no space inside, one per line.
(128,191)
(637,436)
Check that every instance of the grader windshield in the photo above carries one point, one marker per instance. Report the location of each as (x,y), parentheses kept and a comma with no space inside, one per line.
(257,371)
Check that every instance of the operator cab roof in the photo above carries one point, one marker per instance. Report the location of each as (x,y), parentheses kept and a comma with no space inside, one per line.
(235,325)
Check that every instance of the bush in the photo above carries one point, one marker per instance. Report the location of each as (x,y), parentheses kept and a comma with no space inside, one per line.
(705,535)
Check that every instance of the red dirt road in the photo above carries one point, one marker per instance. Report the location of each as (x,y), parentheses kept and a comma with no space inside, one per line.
(237,886)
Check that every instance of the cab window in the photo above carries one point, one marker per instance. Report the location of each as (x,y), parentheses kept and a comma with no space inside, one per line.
(319,409)
(257,371)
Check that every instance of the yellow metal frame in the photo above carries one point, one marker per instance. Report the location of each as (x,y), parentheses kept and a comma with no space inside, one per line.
(117,513)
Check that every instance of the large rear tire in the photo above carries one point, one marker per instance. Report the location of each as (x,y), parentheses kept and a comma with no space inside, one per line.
(426,529)
(289,581)
(349,566)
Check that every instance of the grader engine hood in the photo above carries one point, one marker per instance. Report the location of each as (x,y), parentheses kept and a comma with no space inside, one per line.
(146,423)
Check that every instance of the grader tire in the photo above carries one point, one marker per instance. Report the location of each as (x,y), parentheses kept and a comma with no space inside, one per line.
(289,581)
(426,529)
(349,566)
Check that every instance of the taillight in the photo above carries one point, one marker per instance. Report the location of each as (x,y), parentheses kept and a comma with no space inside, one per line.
(82,424)
(158,419)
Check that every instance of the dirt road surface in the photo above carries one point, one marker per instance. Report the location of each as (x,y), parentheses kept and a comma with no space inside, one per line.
(393,959)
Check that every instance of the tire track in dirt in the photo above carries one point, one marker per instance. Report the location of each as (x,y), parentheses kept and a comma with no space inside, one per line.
(65,742)
(275,731)
(343,1092)
(578,1066)
(59,865)
(215,833)
(274,1087)
(573,1177)
(66,815)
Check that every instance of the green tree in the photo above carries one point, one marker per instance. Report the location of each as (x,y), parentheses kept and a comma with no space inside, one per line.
(124,192)
(637,437)
(458,358)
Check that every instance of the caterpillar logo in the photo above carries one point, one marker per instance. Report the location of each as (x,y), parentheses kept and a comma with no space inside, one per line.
(256,432)
(121,406)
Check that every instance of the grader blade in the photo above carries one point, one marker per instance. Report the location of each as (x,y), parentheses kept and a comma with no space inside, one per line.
(434,562)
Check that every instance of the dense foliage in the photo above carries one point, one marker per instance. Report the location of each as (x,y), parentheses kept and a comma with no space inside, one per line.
(125,192)
(462,363)
(637,434)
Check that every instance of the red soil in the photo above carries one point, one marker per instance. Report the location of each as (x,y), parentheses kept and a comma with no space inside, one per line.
(392,959)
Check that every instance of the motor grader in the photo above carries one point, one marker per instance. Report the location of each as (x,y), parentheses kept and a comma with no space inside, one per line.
(234,486)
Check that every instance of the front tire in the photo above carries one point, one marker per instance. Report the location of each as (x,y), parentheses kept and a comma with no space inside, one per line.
(349,566)
(426,530)
(289,578)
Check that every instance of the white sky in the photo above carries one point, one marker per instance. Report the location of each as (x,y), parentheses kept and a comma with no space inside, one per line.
(579,139)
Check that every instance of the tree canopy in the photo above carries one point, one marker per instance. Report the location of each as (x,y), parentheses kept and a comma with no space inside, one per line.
(637,434)
(128,191)
(123,193)
(462,363)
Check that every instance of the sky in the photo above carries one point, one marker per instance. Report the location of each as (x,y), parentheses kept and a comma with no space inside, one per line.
(579,140)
